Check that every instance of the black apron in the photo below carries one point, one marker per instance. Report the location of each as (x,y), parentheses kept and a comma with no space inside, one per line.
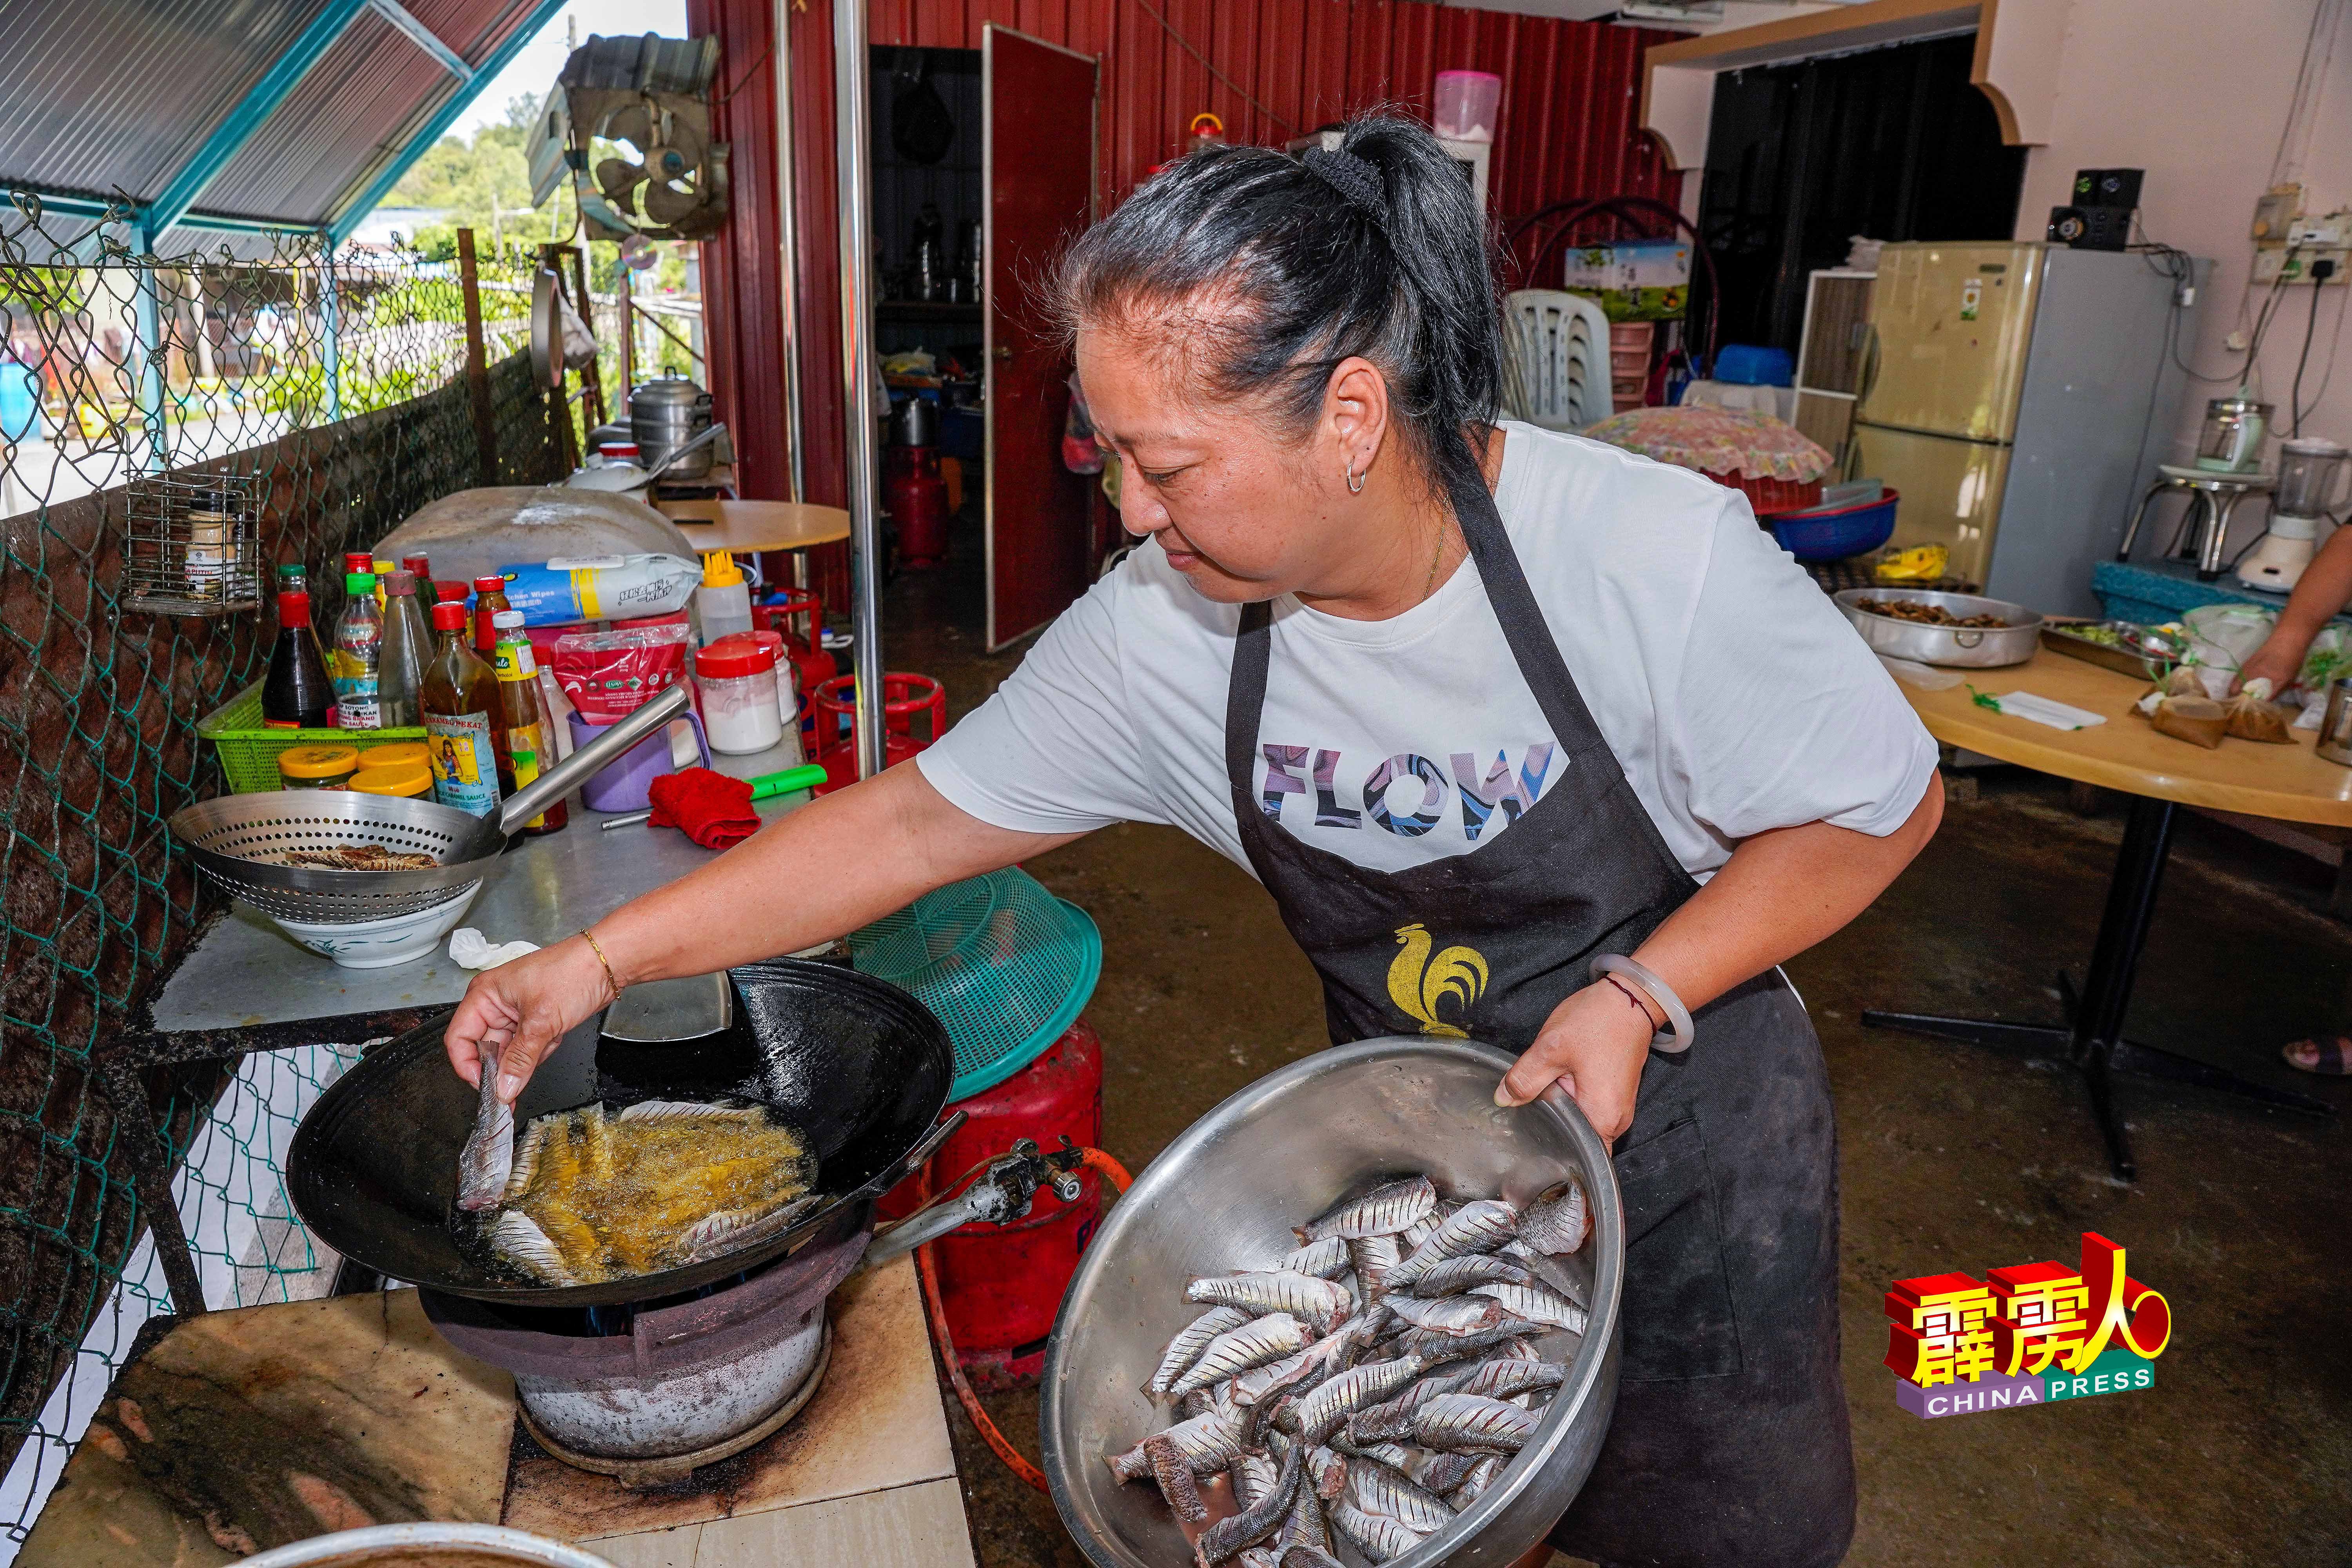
(1729,1443)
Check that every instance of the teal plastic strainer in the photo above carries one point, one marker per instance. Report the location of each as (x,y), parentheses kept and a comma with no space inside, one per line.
(1006,965)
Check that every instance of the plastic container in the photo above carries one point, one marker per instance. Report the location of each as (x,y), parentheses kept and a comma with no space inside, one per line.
(1832,534)
(409,781)
(1466,104)
(399,753)
(317,767)
(628,785)
(1750,364)
(723,603)
(737,678)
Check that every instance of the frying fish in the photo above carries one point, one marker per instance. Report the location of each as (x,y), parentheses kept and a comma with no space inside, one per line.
(1319,1303)
(1480,1226)
(1556,1224)
(1325,1259)
(1384,1211)
(637,1192)
(1456,1275)
(1455,1315)
(1472,1424)
(486,1162)
(1190,1341)
(1538,1304)
(1255,1343)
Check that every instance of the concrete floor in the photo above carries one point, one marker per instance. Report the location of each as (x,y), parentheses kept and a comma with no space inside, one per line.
(1952,1158)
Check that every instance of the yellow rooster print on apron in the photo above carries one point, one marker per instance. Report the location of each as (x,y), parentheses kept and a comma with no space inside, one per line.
(1418,983)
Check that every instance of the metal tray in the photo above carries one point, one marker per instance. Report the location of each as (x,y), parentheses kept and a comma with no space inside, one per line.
(2058,636)
(1969,647)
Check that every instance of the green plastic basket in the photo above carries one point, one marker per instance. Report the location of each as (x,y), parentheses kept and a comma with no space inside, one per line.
(1005,966)
(248,749)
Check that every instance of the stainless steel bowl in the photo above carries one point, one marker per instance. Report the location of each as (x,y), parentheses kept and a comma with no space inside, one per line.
(1975,647)
(1224,1195)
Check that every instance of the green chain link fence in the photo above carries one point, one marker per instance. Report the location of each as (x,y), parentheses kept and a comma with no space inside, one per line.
(338,382)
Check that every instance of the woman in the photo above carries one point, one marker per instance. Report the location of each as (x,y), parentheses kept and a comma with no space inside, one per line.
(1435,683)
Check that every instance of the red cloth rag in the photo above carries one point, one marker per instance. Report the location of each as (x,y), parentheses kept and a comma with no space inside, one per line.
(710,808)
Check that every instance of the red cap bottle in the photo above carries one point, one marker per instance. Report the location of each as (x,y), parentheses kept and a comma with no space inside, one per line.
(448,615)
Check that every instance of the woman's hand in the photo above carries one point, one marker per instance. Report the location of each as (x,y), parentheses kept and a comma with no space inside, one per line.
(2280,660)
(1595,1044)
(522,1009)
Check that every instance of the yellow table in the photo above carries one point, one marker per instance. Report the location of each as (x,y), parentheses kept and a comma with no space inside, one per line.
(2160,775)
(748,526)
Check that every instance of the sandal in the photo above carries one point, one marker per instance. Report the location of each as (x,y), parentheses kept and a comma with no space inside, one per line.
(2332,1057)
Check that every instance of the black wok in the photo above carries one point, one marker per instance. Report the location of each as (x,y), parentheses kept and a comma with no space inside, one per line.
(857,1067)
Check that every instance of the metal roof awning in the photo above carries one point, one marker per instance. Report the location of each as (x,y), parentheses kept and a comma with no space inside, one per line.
(232,117)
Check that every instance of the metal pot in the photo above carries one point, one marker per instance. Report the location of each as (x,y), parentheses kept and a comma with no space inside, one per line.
(1224,1195)
(1971,648)
(666,414)
(915,422)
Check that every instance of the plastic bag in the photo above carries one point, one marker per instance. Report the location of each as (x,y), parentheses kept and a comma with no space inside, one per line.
(2328,657)
(2220,638)
(600,587)
(610,675)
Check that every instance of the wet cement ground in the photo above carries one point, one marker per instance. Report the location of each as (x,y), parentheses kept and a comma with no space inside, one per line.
(1952,1158)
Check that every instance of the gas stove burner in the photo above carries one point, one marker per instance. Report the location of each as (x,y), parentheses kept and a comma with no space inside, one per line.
(648,1391)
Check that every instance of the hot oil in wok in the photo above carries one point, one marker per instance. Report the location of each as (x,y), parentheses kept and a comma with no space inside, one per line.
(619,1196)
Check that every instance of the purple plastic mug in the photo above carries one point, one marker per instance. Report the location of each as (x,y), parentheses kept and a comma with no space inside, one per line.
(628,785)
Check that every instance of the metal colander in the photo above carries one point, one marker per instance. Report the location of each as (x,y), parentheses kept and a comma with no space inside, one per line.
(239,840)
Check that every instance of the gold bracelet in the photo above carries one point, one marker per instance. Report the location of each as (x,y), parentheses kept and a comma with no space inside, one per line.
(610,979)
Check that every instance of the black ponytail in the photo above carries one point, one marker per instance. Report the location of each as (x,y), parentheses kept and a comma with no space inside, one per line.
(1376,251)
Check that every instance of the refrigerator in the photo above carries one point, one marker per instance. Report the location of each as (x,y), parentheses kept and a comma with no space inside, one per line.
(2019,397)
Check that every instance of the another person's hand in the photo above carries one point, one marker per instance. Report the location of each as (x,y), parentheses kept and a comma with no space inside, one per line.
(1595,1044)
(2280,660)
(522,1010)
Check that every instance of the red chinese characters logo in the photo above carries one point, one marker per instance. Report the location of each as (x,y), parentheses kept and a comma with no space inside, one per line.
(2023,1320)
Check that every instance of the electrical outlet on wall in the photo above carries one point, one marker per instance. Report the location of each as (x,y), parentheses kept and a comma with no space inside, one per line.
(2330,230)
(2275,210)
(2294,264)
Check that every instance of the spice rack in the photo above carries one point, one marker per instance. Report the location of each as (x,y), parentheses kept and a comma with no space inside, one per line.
(192,544)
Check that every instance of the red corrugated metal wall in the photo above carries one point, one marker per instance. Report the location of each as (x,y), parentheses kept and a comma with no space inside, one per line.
(1571,94)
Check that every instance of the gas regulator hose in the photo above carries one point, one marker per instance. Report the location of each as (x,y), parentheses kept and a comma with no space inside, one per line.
(1110,1170)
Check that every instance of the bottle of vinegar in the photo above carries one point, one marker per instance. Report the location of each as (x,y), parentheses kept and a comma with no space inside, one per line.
(460,700)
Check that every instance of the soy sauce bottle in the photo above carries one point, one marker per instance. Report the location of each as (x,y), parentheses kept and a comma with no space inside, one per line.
(296,694)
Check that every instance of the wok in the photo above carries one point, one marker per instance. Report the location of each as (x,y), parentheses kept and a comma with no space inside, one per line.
(858,1067)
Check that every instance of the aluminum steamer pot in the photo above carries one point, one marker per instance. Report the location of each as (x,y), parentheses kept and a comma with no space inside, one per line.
(1970,647)
(1224,1195)
(665,413)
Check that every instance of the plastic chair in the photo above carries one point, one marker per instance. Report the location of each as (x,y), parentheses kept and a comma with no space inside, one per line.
(1555,358)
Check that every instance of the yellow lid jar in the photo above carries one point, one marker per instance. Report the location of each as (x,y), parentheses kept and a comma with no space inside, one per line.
(395,754)
(408,780)
(317,767)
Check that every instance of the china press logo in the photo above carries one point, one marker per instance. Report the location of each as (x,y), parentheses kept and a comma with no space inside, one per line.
(2029,1334)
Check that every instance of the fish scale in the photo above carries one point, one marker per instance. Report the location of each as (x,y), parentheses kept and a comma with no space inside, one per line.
(1537,1304)
(1190,1341)
(1479,1226)
(1256,1521)
(1326,1259)
(1384,1211)
(1320,1303)
(1378,1537)
(1322,1411)
(1238,1351)
(1472,1423)
(1387,1494)
(1456,1274)
(1557,1225)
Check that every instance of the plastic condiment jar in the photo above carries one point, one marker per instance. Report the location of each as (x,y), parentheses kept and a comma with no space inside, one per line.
(411,780)
(737,678)
(320,767)
(396,754)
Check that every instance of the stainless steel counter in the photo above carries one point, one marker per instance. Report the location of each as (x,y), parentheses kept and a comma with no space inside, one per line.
(247,971)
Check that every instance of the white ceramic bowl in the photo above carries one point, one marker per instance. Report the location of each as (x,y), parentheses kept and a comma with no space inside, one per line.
(379,944)
(422,1546)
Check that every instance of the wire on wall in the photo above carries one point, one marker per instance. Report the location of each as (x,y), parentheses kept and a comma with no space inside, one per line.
(1186,44)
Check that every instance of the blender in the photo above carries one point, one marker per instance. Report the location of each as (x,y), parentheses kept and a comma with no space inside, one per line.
(2310,475)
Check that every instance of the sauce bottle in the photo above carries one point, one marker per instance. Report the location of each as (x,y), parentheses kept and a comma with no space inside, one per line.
(359,650)
(407,649)
(296,694)
(490,598)
(460,700)
(420,568)
(522,732)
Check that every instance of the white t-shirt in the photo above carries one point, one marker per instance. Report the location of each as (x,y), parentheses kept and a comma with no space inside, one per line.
(1734,694)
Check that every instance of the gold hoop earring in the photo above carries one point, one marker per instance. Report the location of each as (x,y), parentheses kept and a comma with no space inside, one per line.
(1355,480)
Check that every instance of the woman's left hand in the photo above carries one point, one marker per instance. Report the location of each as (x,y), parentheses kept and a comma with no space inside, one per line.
(1595,1044)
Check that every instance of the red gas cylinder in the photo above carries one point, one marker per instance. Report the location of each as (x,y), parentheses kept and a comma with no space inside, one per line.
(799,614)
(1002,1285)
(834,704)
(916,497)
